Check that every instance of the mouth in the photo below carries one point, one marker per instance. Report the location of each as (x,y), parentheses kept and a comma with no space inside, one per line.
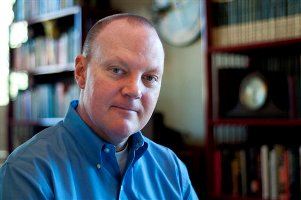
(126,108)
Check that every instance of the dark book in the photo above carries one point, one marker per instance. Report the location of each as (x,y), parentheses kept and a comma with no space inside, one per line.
(227,185)
(294,173)
(254,172)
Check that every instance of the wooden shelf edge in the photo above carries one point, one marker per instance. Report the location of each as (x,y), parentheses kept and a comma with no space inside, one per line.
(53,15)
(51,69)
(255,46)
(229,197)
(48,69)
(38,122)
(256,122)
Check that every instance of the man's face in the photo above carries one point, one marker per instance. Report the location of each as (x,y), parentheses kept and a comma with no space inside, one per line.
(122,81)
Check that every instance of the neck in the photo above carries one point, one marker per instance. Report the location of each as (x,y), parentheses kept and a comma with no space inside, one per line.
(121,146)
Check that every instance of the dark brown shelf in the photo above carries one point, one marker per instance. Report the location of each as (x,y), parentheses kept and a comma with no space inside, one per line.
(256,122)
(257,47)
(226,197)
(51,73)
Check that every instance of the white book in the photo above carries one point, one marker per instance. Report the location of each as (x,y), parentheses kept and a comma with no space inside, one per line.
(264,158)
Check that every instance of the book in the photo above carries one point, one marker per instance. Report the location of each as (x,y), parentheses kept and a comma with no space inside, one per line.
(264,160)
(294,173)
(253,170)
(243,172)
(227,182)
(217,172)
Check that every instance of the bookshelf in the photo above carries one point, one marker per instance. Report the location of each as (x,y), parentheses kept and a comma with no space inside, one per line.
(252,50)
(55,34)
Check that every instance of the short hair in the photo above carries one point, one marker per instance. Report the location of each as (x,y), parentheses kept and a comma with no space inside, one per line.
(100,24)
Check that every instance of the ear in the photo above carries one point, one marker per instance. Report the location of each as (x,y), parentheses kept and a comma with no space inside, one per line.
(80,72)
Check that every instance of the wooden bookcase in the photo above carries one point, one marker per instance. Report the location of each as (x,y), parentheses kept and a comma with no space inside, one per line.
(253,152)
(56,31)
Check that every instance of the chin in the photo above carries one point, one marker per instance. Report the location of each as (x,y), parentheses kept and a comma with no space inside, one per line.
(120,137)
(127,126)
(123,131)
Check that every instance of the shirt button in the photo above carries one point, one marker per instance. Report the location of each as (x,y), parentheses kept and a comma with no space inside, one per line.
(98,166)
(107,150)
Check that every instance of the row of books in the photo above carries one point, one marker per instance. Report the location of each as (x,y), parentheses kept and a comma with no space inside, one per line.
(27,9)
(281,73)
(45,101)
(229,60)
(257,31)
(267,172)
(243,11)
(42,50)
(230,134)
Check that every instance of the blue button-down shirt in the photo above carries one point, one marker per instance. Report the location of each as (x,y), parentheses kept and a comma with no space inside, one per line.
(69,161)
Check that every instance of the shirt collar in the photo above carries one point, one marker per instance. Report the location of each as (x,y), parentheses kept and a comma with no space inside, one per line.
(89,141)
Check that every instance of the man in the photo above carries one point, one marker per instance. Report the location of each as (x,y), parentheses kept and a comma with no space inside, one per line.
(98,151)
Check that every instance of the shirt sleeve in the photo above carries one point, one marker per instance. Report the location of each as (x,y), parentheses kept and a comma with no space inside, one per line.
(21,182)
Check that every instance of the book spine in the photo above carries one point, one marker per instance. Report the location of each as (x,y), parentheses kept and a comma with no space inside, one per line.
(264,157)
(248,21)
(55,99)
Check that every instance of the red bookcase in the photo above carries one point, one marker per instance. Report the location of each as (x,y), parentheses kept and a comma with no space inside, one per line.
(253,116)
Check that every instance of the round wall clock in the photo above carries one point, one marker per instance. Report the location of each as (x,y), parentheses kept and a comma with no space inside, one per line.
(253,91)
(178,21)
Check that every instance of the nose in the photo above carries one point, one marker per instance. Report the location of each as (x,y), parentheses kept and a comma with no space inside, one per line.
(132,88)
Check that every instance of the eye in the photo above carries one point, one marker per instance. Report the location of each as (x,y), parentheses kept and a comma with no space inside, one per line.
(150,79)
(116,70)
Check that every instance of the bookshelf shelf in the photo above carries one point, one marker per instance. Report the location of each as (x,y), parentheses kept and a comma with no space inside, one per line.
(256,122)
(39,122)
(52,69)
(64,12)
(253,154)
(234,198)
(256,47)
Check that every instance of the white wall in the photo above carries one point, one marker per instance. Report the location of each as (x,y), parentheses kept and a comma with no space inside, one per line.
(181,99)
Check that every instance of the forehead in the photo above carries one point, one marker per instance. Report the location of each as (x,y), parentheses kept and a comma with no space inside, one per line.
(126,32)
(132,37)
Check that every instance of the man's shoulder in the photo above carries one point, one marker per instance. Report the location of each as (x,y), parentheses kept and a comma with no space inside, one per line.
(160,152)
(161,159)
(154,145)
(41,144)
